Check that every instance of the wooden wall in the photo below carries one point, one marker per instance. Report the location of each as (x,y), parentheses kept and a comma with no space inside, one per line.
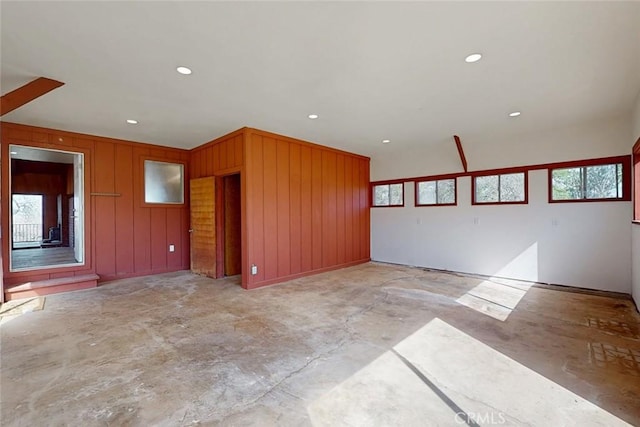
(124,238)
(307,208)
(222,156)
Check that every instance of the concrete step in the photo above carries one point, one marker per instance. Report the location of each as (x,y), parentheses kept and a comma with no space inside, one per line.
(51,286)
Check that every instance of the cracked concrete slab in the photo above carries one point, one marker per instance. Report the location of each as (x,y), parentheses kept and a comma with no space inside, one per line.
(179,349)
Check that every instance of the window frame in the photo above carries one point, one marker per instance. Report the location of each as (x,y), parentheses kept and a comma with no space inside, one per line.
(626,178)
(141,179)
(636,181)
(435,179)
(372,193)
(500,172)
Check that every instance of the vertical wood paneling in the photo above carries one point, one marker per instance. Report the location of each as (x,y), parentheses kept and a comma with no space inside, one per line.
(223,154)
(340,211)
(141,219)
(159,247)
(295,222)
(283,209)
(255,190)
(203,164)
(104,207)
(355,203)
(118,229)
(364,226)
(348,208)
(195,164)
(238,156)
(306,216)
(270,213)
(329,236)
(215,154)
(308,203)
(124,209)
(184,239)
(316,208)
(231,153)
(173,227)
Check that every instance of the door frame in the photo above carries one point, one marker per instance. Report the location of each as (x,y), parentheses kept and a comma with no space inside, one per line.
(73,146)
(220,228)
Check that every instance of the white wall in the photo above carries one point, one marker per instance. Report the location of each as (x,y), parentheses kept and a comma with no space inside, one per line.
(602,138)
(578,244)
(635,232)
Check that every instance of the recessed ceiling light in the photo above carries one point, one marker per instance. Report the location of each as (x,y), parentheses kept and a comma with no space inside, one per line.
(474,57)
(13,153)
(184,70)
(132,122)
(313,116)
(515,114)
(386,141)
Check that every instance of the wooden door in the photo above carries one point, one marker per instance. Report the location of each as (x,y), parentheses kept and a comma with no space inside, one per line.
(203,226)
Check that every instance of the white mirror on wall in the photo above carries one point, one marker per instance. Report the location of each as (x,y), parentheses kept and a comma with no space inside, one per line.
(163,182)
(47,208)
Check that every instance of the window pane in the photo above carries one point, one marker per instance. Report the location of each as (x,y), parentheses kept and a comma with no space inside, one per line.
(427,193)
(619,166)
(487,189)
(512,187)
(381,195)
(602,182)
(396,194)
(446,191)
(27,218)
(163,182)
(566,184)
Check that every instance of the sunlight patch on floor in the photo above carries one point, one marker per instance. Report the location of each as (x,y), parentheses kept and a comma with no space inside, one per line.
(12,309)
(495,297)
(442,376)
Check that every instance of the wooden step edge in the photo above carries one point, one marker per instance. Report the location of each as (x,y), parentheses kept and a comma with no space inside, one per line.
(60,281)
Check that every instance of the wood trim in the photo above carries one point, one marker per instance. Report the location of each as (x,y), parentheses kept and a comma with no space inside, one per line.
(229,171)
(219,219)
(463,159)
(185,178)
(27,93)
(89,265)
(372,185)
(304,274)
(514,169)
(636,179)
(23,136)
(106,194)
(626,179)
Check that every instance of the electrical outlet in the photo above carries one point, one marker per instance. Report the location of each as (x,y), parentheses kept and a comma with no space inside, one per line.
(254,269)
(172,248)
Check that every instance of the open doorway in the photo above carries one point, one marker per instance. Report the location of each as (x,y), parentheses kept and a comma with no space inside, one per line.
(232,225)
(47,221)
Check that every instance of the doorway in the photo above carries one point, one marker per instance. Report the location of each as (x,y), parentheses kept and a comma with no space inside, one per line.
(232,226)
(46,218)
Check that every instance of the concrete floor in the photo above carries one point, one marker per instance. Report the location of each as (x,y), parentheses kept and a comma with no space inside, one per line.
(369,345)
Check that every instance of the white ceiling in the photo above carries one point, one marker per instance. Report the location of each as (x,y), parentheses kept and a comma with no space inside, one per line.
(371,70)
